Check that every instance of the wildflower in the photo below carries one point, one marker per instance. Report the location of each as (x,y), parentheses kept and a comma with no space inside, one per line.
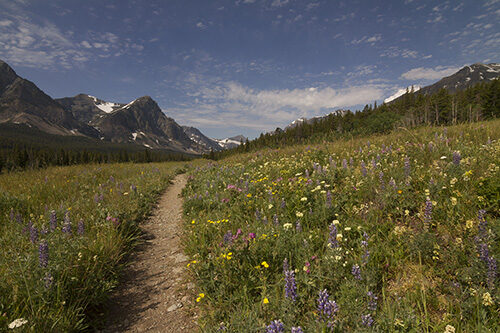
(487,300)
(228,237)
(449,329)
(428,212)
(332,239)
(298,226)
(453,201)
(192,262)
(287,226)
(48,279)
(270,206)
(299,214)
(367,320)
(328,199)
(303,199)
(356,271)
(407,166)
(33,232)
(297,329)
(344,163)
(372,301)
(265,301)
(326,309)
(398,322)
(276,326)
(363,168)
(17,323)
(43,254)
(265,264)
(200,297)
(81,228)
(290,285)
(67,224)
(456,158)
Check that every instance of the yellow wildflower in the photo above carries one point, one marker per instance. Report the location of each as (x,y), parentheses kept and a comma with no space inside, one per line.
(487,300)
(265,264)
(265,301)
(200,296)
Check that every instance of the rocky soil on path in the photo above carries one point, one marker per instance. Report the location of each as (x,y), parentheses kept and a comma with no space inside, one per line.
(155,295)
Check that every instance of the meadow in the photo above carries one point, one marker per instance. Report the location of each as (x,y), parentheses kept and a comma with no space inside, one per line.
(390,233)
(63,234)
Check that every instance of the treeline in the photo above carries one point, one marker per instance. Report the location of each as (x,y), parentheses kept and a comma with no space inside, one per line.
(26,148)
(480,102)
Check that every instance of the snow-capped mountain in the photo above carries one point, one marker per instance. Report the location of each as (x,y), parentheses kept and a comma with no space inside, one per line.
(87,108)
(302,120)
(467,76)
(232,142)
(201,139)
(401,92)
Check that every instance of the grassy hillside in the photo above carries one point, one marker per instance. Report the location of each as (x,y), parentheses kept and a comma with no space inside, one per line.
(392,233)
(63,233)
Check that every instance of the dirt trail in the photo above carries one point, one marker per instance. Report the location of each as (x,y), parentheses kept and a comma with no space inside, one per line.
(154,295)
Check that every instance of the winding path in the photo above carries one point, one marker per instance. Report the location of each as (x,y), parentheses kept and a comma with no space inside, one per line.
(154,295)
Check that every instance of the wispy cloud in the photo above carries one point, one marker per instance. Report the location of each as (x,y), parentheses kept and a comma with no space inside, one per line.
(231,103)
(367,39)
(26,41)
(394,51)
(427,74)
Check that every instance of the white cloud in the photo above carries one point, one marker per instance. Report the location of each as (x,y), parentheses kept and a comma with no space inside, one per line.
(367,39)
(232,104)
(436,73)
(279,3)
(200,25)
(394,51)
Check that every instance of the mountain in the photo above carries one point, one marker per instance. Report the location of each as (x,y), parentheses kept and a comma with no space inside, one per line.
(22,102)
(86,108)
(466,77)
(198,137)
(231,142)
(143,122)
(299,121)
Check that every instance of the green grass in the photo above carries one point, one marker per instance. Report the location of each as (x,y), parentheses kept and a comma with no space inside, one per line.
(245,215)
(83,267)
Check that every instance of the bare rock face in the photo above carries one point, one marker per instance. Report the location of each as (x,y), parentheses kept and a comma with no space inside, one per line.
(21,101)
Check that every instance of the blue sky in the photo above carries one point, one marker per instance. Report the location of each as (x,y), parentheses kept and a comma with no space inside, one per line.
(244,66)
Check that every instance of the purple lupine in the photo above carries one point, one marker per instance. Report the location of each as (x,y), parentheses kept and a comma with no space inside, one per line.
(407,166)
(344,163)
(392,183)
(283,203)
(43,253)
(456,158)
(372,301)
(351,161)
(19,218)
(492,272)
(367,320)
(363,168)
(285,265)
(53,220)
(328,199)
(276,326)
(298,226)
(381,178)
(364,244)
(48,280)
(307,173)
(332,239)
(12,216)
(81,228)
(297,329)
(228,238)
(133,188)
(67,224)
(33,232)
(290,285)
(428,212)
(374,164)
(326,309)
(276,220)
(356,271)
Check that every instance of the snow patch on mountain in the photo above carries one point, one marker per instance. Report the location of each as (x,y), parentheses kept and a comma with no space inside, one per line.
(400,93)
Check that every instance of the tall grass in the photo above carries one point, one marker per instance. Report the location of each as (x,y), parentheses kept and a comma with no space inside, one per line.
(63,234)
(386,233)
